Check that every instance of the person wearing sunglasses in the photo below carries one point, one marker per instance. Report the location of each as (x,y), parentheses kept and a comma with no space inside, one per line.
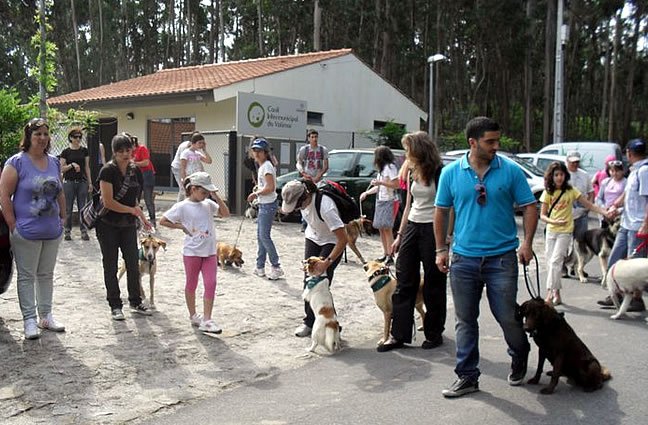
(612,187)
(33,205)
(75,164)
(483,187)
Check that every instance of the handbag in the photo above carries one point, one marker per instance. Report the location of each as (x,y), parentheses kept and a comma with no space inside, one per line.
(94,209)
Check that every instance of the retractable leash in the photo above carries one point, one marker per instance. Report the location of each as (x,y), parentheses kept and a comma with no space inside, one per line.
(527,279)
(238,234)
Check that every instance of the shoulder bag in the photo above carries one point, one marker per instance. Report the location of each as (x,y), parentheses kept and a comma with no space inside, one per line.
(94,209)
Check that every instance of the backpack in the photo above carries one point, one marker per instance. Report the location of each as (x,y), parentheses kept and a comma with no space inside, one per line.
(345,204)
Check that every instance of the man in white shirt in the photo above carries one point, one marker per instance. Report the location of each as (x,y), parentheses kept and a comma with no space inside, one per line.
(581,181)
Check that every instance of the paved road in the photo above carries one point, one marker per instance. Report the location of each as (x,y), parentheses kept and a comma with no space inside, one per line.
(361,386)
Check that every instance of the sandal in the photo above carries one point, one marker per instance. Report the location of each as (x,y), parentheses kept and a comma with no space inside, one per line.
(391,344)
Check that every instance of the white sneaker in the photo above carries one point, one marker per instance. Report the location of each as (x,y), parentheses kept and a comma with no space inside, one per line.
(259,272)
(209,326)
(303,331)
(275,273)
(196,319)
(31,329)
(51,324)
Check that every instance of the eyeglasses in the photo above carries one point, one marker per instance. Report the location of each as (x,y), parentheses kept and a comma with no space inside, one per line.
(76,136)
(615,163)
(481,191)
(37,122)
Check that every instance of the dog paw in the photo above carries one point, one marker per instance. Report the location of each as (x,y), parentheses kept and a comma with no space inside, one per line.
(547,390)
(583,280)
(617,316)
(534,380)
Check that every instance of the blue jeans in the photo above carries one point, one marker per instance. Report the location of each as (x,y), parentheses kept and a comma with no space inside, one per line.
(264,226)
(625,243)
(468,276)
(74,189)
(35,261)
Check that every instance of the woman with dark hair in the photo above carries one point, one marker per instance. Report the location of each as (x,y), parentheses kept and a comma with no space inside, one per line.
(325,235)
(384,185)
(416,245)
(33,204)
(120,183)
(557,211)
(75,164)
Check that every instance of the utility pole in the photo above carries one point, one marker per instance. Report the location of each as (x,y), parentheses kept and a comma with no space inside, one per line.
(42,103)
(559,93)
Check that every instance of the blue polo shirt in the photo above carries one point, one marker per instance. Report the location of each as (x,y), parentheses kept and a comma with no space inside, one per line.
(489,229)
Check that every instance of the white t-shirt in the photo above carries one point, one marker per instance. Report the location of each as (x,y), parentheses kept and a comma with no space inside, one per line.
(194,164)
(581,181)
(388,173)
(266,168)
(318,231)
(175,164)
(198,218)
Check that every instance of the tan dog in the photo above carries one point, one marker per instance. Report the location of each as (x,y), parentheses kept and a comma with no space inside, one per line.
(326,329)
(229,255)
(383,286)
(149,247)
(354,229)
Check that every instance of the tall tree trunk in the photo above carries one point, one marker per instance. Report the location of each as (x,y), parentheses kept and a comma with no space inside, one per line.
(76,44)
(386,43)
(550,47)
(317,26)
(221,31)
(101,36)
(528,78)
(606,81)
(628,98)
(188,31)
(377,21)
(212,31)
(260,29)
(616,57)
(42,101)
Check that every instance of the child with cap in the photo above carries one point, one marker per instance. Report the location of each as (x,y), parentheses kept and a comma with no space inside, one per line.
(266,196)
(195,217)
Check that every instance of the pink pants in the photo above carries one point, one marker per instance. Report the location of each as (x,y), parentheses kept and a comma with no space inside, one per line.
(193,267)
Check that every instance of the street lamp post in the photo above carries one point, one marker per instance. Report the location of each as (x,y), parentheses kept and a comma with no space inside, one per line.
(431,60)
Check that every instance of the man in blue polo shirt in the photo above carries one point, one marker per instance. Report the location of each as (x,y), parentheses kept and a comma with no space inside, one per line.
(483,189)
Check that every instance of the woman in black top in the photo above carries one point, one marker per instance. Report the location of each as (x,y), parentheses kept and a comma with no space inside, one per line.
(118,228)
(75,165)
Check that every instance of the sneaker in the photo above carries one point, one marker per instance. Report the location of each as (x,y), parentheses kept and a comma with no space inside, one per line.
(436,342)
(31,329)
(275,273)
(209,326)
(141,309)
(196,319)
(85,237)
(637,304)
(259,272)
(607,302)
(460,387)
(117,314)
(67,236)
(518,371)
(51,324)
(391,344)
(303,331)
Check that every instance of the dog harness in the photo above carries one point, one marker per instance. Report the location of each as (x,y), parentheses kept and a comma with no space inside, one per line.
(311,282)
(384,279)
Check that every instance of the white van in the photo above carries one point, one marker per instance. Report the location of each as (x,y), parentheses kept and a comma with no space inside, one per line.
(593,154)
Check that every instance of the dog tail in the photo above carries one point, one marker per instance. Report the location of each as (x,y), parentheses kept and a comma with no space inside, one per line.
(605,373)
(331,336)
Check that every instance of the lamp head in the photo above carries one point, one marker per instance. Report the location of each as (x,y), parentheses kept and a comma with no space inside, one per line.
(435,58)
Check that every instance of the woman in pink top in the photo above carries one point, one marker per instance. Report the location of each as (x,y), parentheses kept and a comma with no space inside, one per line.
(602,175)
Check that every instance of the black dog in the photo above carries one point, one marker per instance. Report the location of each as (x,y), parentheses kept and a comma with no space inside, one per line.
(558,343)
(596,242)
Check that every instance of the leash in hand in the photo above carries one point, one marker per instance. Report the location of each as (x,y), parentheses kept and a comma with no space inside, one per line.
(527,279)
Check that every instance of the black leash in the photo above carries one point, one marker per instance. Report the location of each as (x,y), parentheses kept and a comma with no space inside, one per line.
(527,279)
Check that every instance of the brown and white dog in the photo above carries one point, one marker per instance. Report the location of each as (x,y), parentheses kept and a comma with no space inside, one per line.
(625,277)
(229,255)
(149,247)
(326,329)
(383,287)
(596,242)
(354,229)
(558,343)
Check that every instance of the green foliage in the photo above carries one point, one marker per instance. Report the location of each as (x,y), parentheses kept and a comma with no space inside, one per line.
(49,77)
(13,117)
(390,135)
(456,141)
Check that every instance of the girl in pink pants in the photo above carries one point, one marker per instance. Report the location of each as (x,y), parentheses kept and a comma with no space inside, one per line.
(195,217)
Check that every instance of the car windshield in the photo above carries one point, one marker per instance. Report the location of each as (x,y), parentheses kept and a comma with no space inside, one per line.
(339,164)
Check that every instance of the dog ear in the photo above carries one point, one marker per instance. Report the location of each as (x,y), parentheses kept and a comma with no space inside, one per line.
(365,266)
(162,244)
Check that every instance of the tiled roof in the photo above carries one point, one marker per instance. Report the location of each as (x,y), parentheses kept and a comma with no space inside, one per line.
(194,78)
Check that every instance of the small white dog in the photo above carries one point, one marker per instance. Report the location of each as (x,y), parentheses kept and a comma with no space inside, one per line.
(624,277)
(326,330)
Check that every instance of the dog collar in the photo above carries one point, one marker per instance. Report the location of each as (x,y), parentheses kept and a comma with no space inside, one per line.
(380,283)
(379,272)
(142,257)
(312,281)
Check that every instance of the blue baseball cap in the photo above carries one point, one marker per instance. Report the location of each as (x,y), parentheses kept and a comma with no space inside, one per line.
(637,146)
(261,144)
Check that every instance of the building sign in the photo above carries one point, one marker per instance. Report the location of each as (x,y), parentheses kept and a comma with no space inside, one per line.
(269,116)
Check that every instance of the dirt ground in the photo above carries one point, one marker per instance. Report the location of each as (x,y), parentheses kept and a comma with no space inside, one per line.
(102,371)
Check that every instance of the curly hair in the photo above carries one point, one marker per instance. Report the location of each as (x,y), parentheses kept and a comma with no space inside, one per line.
(31,126)
(422,155)
(550,185)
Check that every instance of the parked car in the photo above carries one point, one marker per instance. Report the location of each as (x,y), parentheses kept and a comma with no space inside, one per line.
(534,175)
(353,169)
(541,160)
(592,153)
